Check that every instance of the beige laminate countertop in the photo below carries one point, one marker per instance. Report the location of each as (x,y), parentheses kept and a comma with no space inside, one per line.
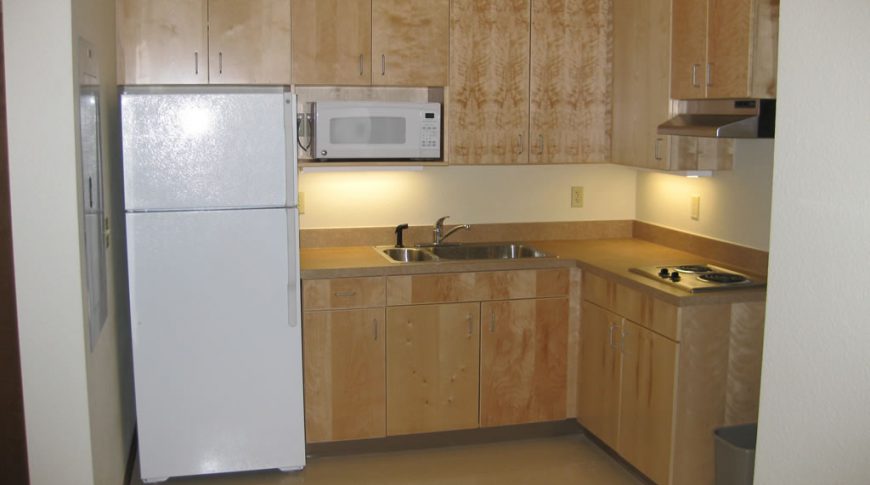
(610,258)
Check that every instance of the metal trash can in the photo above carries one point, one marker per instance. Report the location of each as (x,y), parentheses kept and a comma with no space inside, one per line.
(735,454)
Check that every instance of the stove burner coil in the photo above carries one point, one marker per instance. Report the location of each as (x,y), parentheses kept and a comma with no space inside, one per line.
(724,278)
(693,268)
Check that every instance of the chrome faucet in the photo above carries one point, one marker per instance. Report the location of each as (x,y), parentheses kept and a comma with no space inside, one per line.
(438,234)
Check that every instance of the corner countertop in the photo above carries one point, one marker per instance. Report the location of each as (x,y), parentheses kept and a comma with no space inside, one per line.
(610,258)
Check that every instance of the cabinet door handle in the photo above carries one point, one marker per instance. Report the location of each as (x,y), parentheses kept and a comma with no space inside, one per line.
(470,328)
(375,328)
(610,334)
(361,68)
(492,322)
(540,144)
(623,333)
(520,147)
(220,62)
(658,153)
(709,74)
(695,76)
(345,293)
(196,63)
(383,64)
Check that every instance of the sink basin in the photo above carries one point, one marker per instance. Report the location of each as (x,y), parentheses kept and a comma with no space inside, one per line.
(487,251)
(460,252)
(408,255)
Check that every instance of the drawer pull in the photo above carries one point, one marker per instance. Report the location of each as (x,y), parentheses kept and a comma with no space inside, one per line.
(375,327)
(361,69)
(470,328)
(345,293)
(695,76)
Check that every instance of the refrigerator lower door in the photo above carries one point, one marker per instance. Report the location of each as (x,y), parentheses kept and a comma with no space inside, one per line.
(217,350)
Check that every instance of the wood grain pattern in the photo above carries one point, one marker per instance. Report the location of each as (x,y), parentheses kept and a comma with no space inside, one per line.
(641,82)
(688,48)
(345,376)
(343,293)
(433,359)
(332,42)
(575,285)
(600,365)
(249,41)
(412,40)
(700,397)
(765,49)
(523,366)
(728,48)
(162,42)
(489,81)
(571,78)
(634,305)
(476,286)
(646,413)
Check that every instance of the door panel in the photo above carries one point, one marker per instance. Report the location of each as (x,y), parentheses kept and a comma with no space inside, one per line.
(688,49)
(598,399)
(332,42)
(410,42)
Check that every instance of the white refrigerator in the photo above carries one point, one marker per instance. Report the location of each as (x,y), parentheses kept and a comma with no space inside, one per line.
(212,250)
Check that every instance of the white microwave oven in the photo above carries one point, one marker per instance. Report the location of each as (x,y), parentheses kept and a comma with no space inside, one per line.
(375,130)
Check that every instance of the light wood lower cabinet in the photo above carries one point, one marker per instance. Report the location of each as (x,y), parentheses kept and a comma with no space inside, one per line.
(432,367)
(524,348)
(627,376)
(344,356)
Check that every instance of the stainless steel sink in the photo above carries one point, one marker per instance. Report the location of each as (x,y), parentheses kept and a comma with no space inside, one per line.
(407,255)
(461,252)
(487,251)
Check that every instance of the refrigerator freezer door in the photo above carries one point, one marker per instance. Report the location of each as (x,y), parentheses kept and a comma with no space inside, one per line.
(216,341)
(187,149)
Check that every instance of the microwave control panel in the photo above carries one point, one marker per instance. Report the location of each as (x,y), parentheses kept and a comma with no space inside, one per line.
(430,134)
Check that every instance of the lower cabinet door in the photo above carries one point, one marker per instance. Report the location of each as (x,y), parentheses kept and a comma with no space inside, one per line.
(524,350)
(433,357)
(600,361)
(343,351)
(646,416)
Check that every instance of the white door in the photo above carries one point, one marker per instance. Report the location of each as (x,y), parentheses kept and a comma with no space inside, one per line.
(216,340)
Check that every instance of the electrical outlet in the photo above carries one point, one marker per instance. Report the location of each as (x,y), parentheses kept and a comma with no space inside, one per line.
(301,203)
(696,207)
(577,197)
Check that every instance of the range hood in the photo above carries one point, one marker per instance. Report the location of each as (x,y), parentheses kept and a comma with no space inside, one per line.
(722,118)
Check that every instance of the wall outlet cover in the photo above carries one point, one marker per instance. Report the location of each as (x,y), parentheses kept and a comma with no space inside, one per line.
(577,197)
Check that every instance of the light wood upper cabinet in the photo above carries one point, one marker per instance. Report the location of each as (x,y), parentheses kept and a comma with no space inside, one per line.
(201,42)
(249,41)
(570,90)
(371,42)
(345,376)
(530,82)
(524,348)
(489,81)
(162,42)
(332,48)
(433,358)
(410,42)
(724,49)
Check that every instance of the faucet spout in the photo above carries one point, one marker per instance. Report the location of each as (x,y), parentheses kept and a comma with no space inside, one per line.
(438,234)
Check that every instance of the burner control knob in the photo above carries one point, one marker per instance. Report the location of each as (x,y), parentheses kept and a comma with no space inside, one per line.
(664,273)
(675,276)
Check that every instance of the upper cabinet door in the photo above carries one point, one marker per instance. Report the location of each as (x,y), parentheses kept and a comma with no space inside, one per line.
(410,42)
(332,42)
(689,49)
(162,42)
(249,41)
(571,81)
(728,48)
(489,81)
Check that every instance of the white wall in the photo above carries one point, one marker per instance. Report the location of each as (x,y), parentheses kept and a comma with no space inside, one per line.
(468,194)
(77,404)
(814,426)
(735,204)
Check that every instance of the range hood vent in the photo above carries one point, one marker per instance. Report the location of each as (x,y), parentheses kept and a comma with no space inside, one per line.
(722,118)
